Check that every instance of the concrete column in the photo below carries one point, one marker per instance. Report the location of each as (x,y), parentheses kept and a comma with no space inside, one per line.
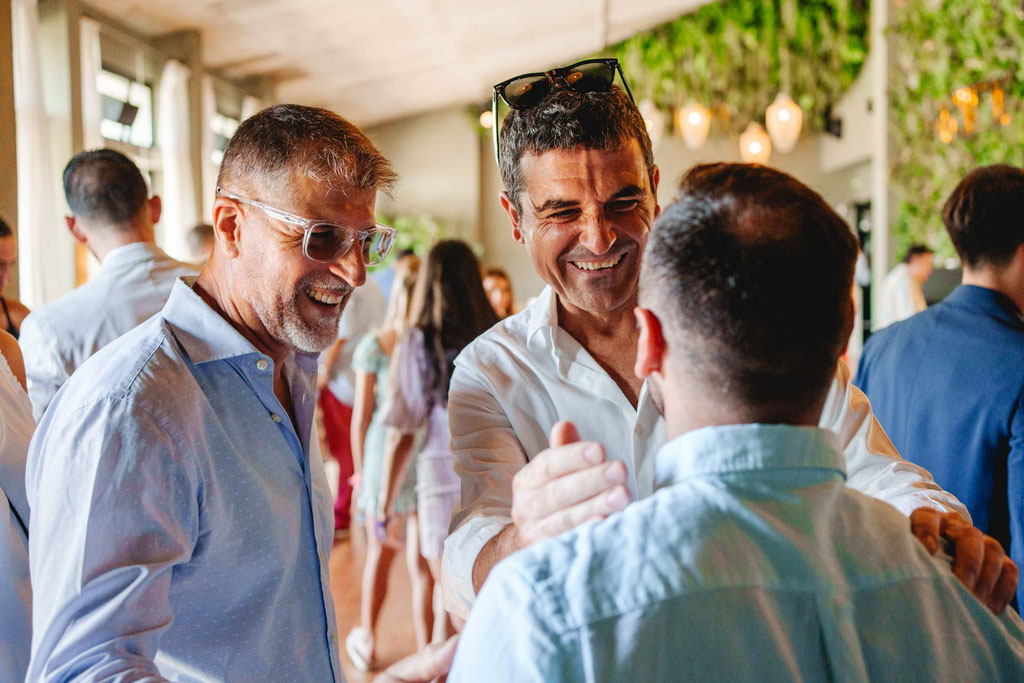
(8,148)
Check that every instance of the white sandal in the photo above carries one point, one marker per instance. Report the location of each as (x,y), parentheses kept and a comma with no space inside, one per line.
(357,642)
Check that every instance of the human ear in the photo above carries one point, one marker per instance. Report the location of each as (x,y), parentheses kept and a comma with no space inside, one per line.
(651,346)
(155,209)
(226,226)
(75,229)
(513,216)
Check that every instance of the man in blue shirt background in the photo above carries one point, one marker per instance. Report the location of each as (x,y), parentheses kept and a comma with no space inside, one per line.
(753,560)
(948,384)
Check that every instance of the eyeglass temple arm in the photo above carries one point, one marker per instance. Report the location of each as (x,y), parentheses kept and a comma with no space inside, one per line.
(622,76)
(494,126)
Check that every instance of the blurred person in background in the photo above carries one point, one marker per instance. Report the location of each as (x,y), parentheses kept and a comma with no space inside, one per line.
(499,292)
(113,215)
(948,383)
(902,296)
(371,363)
(12,311)
(366,310)
(201,243)
(16,426)
(449,310)
(385,277)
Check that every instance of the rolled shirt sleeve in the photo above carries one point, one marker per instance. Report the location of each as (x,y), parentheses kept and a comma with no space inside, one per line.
(487,456)
(115,503)
(873,465)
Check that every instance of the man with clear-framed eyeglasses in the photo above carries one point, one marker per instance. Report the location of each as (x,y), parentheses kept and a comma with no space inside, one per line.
(181,520)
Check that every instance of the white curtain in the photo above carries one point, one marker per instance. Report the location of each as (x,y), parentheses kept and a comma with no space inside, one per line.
(179,204)
(92,103)
(46,251)
(210,169)
(250,105)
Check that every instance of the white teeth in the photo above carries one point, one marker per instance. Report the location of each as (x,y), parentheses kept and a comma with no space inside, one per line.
(598,265)
(323,297)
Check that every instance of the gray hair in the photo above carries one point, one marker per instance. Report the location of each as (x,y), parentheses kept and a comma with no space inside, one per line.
(289,138)
(566,119)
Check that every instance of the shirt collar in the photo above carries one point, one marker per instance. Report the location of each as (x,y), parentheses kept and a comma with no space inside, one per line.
(130,254)
(205,335)
(747,447)
(989,300)
(543,313)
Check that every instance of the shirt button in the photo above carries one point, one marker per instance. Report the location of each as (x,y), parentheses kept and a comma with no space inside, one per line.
(275,417)
(262,364)
(334,637)
(321,555)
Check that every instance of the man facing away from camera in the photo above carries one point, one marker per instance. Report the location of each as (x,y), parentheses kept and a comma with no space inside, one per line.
(753,560)
(113,215)
(580,191)
(181,519)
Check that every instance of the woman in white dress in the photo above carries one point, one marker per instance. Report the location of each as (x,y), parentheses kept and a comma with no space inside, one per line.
(16,427)
(449,310)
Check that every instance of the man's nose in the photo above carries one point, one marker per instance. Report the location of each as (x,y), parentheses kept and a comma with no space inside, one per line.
(597,235)
(351,265)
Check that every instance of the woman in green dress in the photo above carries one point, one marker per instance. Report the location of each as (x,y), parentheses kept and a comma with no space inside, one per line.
(371,363)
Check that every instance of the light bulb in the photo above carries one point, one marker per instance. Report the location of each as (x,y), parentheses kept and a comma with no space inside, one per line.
(785,119)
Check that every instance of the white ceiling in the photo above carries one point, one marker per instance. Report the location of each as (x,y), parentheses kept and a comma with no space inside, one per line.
(378,60)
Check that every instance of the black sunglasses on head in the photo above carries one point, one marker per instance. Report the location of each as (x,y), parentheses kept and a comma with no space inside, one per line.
(527,90)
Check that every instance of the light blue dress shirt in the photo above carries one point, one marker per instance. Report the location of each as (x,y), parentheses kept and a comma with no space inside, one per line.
(180,525)
(753,561)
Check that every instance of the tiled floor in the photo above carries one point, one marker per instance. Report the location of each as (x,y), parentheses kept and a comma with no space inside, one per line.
(395,636)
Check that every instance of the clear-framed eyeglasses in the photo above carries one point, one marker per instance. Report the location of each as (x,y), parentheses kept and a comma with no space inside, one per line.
(324,241)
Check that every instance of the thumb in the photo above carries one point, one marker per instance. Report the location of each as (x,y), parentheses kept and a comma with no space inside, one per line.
(564,433)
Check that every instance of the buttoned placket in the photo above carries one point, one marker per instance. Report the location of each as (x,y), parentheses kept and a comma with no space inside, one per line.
(264,389)
(581,369)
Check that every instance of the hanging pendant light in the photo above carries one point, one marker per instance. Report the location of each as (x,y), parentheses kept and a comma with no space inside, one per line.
(654,120)
(755,145)
(693,122)
(784,119)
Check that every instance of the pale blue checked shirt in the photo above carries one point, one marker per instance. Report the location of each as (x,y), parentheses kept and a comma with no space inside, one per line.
(180,524)
(752,561)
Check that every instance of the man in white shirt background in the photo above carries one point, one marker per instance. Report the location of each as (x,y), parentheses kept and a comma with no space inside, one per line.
(113,216)
(580,192)
(902,296)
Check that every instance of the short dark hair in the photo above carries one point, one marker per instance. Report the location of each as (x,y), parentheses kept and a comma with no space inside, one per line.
(289,138)
(198,235)
(566,119)
(916,249)
(104,185)
(983,215)
(750,273)
(5,230)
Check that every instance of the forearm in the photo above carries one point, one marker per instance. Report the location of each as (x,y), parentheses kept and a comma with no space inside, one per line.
(493,552)
(361,422)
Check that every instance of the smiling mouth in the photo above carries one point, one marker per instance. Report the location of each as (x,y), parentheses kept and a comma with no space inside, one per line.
(604,264)
(326,297)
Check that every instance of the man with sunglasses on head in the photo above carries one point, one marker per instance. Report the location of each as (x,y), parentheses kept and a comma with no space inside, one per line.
(550,427)
(181,520)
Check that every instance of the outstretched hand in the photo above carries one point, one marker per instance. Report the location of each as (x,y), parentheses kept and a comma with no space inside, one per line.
(565,485)
(978,560)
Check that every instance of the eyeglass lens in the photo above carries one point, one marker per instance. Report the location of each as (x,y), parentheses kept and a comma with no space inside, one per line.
(592,77)
(526,91)
(328,242)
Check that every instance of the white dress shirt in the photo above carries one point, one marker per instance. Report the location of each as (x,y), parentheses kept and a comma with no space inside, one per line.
(133,285)
(513,383)
(902,297)
(16,427)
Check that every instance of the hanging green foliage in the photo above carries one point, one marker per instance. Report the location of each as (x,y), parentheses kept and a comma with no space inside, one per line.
(735,56)
(938,47)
